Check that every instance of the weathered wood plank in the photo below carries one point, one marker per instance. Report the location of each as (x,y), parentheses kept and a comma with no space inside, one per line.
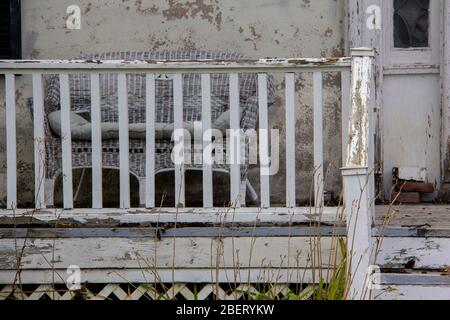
(414,279)
(179,141)
(150,114)
(291,197)
(66,141)
(264,158)
(166,253)
(416,232)
(97,192)
(272,216)
(150,95)
(416,253)
(235,142)
(359,153)
(318,140)
(207,141)
(423,217)
(170,232)
(11,141)
(124,143)
(208,66)
(416,293)
(147,276)
(39,141)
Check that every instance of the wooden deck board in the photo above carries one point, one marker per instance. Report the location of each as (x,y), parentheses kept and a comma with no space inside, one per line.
(420,220)
(404,221)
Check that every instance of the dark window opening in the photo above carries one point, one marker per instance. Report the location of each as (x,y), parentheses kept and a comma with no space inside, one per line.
(411,23)
(10,34)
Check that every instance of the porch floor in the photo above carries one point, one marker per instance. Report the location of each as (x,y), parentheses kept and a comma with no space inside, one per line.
(413,220)
(422,220)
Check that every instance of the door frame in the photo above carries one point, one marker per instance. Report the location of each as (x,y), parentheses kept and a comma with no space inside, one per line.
(357,34)
(445,94)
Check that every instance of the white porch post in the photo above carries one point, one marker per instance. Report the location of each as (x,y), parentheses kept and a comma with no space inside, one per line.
(358,173)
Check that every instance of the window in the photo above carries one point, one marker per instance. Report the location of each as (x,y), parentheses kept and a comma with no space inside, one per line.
(10,34)
(412,34)
(411,23)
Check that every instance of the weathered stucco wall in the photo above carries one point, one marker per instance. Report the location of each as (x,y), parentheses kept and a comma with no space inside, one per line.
(263,28)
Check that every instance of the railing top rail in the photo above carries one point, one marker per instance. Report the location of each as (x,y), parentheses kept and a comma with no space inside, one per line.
(166,66)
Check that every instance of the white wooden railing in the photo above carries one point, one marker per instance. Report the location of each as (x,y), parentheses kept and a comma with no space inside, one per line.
(357,74)
(289,67)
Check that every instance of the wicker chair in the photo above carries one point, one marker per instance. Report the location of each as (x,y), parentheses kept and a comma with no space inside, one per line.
(80,104)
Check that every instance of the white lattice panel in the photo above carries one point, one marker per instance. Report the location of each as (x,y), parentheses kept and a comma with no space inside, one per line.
(143,291)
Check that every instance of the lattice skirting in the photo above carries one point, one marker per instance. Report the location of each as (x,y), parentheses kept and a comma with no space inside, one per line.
(148,292)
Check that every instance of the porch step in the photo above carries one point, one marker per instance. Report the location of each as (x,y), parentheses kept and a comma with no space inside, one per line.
(414,258)
(412,286)
(414,253)
(414,238)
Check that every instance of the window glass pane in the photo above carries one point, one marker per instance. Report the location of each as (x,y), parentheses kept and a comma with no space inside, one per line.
(411,23)
(10,43)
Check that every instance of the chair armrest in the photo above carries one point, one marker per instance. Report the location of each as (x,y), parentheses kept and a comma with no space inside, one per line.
(48,131)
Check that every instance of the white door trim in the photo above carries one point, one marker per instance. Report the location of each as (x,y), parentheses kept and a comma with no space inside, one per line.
(445,95)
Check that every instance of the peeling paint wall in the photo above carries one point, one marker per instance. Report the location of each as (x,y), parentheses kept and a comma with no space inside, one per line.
(263,28)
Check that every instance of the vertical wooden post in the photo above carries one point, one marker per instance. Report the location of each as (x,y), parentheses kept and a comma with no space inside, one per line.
(358,173)
(264,157)
(207,141)
(124,142)
(290,141)
(97,176)
(445,82)
(66,141)
(235,142)
(318,141)
(39,141)
(150,95)
(11,141)
(179,141)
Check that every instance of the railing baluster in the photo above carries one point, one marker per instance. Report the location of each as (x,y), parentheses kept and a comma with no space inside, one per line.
(147,186)
(39,141)
(345,85)
(124,143)
(318,140)
(97,193)
(11,155)
(264,140)
(207,140)
(150,141)
(179,140)
(66,141)
(235,142)
(290,141)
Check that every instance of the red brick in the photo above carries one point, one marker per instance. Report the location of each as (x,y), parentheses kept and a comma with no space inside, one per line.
(406,197)
(410,186)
